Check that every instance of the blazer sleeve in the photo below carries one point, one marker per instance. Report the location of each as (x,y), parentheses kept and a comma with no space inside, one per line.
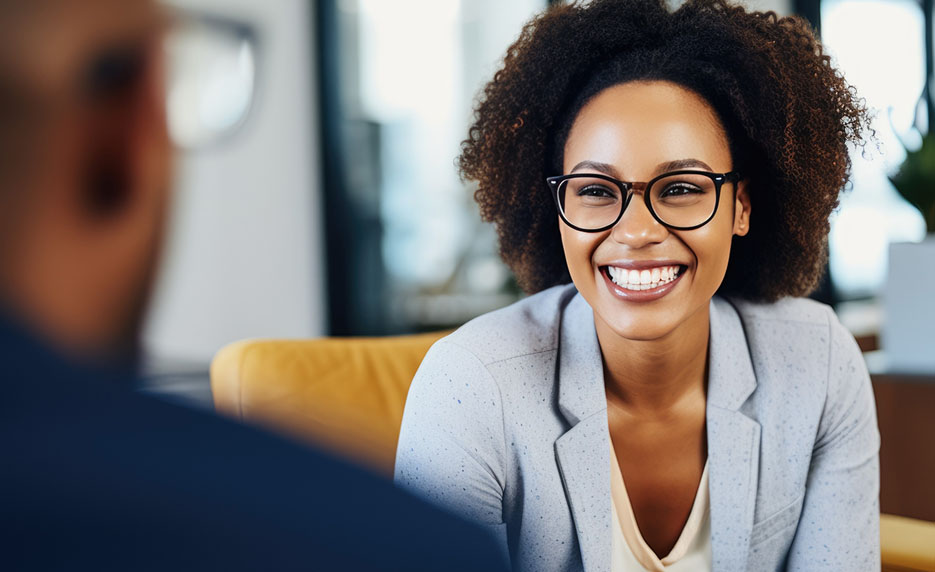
(451,448)
(839,528)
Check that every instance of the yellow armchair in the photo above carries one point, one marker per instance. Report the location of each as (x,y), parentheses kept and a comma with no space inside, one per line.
(347,395)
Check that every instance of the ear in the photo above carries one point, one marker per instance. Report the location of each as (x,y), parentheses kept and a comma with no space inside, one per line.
(741,210)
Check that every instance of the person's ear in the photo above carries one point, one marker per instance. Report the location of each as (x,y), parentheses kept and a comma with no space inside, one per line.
(741,210)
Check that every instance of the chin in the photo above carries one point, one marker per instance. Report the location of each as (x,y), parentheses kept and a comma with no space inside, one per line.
(645,328)
(644,315)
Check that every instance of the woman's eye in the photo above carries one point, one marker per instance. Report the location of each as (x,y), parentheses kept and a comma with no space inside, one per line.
(677,190)
(595,191)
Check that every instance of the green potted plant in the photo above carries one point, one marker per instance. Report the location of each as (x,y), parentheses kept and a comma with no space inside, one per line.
(915,180)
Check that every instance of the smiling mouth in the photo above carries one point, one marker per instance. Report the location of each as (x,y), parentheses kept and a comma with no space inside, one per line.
(645,279)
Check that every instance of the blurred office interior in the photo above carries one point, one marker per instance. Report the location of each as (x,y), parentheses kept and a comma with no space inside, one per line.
(336,210)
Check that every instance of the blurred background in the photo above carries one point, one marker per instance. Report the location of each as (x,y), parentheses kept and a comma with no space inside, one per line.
(336,209)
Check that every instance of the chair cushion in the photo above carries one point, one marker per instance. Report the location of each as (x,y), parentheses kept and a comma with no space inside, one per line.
(344,394)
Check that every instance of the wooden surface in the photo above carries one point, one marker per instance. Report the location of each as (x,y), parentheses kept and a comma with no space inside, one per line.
(906,414)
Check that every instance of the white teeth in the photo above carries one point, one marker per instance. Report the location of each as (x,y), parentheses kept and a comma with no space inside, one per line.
(642,279)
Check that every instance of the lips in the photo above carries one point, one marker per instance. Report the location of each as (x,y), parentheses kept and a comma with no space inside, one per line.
(643,280)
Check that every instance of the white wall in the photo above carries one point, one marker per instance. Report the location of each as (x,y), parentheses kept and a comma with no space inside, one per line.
(245,252)
(781,7)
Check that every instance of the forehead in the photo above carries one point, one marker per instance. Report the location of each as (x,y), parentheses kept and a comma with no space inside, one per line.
(43,41)
(637,126)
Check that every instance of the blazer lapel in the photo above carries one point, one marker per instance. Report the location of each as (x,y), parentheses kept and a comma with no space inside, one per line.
(585,471)
(583,452)
(733,439)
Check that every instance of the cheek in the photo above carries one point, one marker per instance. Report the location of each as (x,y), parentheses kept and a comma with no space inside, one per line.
(712,250)
(579,250)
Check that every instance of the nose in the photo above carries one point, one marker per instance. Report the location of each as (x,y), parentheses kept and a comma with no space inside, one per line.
(637,227)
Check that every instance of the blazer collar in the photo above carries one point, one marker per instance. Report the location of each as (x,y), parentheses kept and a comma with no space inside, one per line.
(580,364)
(731,379)
(733,439)
(582,452)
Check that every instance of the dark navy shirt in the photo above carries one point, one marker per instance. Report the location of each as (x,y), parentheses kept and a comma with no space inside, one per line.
(94,476)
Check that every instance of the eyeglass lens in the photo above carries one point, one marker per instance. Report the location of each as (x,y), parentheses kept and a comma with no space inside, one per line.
(210,80)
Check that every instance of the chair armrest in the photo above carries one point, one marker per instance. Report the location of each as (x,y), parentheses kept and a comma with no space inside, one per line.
(344,394)
(907,544)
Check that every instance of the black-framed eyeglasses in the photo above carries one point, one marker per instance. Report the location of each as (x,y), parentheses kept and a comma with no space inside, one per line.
(680,200)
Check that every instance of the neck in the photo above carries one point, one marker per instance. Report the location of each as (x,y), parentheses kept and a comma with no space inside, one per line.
(656,376)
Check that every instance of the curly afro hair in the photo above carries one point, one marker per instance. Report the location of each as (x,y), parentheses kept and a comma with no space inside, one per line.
(788,115)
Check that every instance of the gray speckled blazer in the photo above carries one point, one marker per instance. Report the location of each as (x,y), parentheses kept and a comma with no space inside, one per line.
(506,424)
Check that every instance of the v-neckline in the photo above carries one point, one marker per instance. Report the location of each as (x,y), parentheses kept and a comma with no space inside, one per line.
(631,532)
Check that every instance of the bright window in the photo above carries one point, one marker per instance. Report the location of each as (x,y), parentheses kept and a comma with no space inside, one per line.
(879,47)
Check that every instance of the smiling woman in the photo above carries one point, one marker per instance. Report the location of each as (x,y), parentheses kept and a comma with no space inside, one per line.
(676,407)
(644,129)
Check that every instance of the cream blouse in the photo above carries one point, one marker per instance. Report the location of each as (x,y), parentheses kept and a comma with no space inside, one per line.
(630,553)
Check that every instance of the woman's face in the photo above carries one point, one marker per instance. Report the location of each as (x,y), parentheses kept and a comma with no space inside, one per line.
(634,132)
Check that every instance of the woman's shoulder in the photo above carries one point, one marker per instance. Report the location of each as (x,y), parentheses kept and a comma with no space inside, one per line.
(528,326)
(795,342)
(792,324)
(794,310)
(801,320)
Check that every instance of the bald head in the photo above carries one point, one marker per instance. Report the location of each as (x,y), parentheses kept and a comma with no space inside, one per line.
(83,182)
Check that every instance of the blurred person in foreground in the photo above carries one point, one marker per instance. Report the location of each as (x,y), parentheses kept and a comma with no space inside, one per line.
(94,475)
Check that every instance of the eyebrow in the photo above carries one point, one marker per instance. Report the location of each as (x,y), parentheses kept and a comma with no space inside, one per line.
(675,165)
(682,164)
(605,168)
